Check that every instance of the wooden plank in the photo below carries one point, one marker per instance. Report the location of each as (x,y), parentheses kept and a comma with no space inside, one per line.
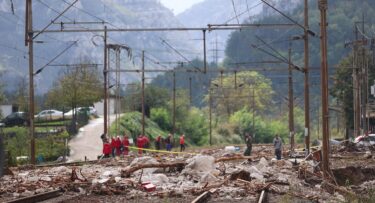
(38,197)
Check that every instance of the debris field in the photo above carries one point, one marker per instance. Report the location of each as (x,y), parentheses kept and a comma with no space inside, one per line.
(211,175)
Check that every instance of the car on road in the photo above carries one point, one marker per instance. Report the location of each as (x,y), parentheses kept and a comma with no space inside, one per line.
(16,119)
(50,114)
(91,111)
(364,140)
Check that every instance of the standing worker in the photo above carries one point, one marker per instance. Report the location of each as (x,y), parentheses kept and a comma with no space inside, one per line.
(106,149)
(168,142)
(118,146)
(125,143)
(278,144)
(249,144)
(158,142)
(182,143)
(140,143)
(113,146)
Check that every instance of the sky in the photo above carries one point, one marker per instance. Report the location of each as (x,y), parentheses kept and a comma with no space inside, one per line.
(178,6)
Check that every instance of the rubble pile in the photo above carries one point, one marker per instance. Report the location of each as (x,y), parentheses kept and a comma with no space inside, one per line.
(218,174)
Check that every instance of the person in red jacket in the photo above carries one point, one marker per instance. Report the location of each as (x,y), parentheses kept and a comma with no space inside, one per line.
(140,142)
(107,149)
(182,143)
(113,146)
(125,143)
(118,146)
(146,142)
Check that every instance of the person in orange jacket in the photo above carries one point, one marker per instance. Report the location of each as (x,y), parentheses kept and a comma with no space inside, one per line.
(125,143)
(182,143)
(107,149)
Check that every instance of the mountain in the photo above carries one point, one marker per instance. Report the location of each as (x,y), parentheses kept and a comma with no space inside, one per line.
(225,12)
(89,47)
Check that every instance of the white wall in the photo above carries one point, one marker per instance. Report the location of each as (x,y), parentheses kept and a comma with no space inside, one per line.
(5,110)
(99,106)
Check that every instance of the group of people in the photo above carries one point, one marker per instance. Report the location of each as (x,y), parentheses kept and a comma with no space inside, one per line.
(116,147)
(168,141)
(120,146)
(277,143)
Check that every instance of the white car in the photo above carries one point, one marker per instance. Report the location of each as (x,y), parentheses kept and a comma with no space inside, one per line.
(365,140)
(50,114)
(90,110)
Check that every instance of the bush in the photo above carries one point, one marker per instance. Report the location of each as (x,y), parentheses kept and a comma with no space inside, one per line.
(161,116)
(17,142)
(195,127)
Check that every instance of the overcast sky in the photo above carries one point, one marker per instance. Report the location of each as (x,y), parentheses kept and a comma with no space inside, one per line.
(179,6)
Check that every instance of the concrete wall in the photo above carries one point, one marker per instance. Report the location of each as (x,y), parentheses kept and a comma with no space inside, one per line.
(99,106)
(6,110)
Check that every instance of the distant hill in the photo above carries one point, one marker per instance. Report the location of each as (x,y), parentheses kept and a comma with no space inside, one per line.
(119,13)
(222,11)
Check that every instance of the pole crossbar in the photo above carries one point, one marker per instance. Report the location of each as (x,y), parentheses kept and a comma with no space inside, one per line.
(210,28)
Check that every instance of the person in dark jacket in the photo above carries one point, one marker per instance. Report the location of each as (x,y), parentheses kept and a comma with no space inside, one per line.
(158,142)
(168,142)
(278,144)
(249,144)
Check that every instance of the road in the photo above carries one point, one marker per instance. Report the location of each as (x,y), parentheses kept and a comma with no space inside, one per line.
(87,142)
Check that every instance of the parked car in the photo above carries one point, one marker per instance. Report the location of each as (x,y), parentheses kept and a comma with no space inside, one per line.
(50,114)
(88,110)
(16,119)
(364,140)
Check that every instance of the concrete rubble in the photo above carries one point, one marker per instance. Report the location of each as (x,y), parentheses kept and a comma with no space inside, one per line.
(237,179)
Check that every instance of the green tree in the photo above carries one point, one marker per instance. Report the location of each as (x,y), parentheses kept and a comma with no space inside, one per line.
(155,97)
(248,89)
(342,88)
(162,117)
(195,127)
(81,86)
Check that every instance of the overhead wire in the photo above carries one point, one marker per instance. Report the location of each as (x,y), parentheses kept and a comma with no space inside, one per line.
(235,12)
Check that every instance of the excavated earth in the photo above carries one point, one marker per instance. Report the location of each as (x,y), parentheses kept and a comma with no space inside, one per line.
(225,176)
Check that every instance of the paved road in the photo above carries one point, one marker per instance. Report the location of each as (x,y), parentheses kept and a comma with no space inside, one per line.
(87,142)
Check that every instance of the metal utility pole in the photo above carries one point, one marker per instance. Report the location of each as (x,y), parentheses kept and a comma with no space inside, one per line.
(253,104)
(143,92)
(356,85)
(323,6)
(30,43)
(306,79)
(204,52)
(174,104)
(105,73)
(291,102)
(210,112)
(2,152)
(364,82)
(190,93)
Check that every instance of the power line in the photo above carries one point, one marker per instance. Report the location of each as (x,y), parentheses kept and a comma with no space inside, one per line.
(58,16)
(235,12)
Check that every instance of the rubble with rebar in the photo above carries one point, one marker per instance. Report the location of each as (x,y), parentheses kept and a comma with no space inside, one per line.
(215,175)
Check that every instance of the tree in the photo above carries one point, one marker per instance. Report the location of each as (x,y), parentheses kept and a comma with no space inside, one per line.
(247,89)
(162,117)
(81,86)
(155,97)
(21,95)
(342,88)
